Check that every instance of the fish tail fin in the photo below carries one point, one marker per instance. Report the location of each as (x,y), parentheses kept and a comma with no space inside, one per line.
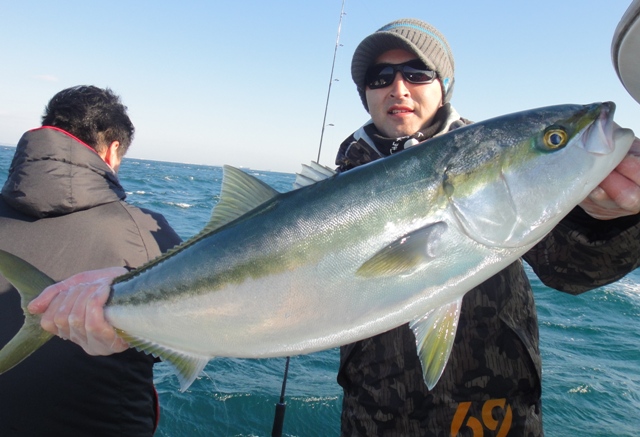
(29,281)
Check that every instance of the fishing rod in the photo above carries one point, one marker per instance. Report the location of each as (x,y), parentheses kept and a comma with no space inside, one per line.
(278,419)
(326,107)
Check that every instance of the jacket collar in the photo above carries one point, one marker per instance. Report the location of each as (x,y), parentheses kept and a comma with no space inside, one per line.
(54,173)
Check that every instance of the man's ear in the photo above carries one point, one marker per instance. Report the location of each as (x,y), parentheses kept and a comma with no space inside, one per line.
(112,157)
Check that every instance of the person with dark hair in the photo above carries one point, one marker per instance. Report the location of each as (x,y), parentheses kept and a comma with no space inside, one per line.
(95,116)
(62,208)
(491,386)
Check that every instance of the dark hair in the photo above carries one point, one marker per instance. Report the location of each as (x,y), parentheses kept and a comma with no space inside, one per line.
(94,115)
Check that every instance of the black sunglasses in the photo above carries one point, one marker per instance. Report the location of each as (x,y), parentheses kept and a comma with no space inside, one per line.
(383,75)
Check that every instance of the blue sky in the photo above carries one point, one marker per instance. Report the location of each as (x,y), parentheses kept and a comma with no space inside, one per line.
(245,82)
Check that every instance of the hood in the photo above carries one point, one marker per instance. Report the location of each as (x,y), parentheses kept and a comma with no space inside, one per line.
(53,173)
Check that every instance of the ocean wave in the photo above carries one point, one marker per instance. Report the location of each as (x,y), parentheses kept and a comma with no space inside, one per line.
(179,204)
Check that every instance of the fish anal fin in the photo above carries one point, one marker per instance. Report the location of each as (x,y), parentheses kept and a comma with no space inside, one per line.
(435,334)
(407,254)
(186,365)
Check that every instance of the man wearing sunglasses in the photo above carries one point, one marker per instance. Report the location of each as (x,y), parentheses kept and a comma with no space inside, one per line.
(405,85)
(404,73)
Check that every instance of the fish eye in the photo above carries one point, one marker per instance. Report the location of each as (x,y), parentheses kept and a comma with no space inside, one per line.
(555,138)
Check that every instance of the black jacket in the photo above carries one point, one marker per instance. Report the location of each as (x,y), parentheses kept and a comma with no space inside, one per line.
(63,210)
(495,363)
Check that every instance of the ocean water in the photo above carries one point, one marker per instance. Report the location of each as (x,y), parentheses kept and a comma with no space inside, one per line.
(590,343)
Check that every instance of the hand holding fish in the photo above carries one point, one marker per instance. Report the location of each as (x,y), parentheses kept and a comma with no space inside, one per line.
(74,310)
(618,195)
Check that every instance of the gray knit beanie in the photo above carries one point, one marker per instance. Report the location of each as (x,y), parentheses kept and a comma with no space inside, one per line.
(415,36)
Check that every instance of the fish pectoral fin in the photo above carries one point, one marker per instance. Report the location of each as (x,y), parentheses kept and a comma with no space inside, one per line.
(435,334)
(29,281)
(407,254)
(186,365)
(310,174)
(239,194)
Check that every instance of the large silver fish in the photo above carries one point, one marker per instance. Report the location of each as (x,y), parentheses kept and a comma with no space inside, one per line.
(355,254)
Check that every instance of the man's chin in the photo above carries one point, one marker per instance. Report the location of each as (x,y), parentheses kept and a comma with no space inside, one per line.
(397,131)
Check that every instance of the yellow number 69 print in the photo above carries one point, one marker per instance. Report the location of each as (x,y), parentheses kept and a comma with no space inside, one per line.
(478,424)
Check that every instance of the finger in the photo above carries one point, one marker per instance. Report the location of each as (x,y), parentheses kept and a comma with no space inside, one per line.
(77,316)
(623,191)
(47,320)
(101,336)
(40,304)
(629,167)
(600,197)
(62,313)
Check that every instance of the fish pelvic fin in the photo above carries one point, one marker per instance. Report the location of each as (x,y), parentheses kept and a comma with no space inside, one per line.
(29,281)
(186,365)
(405,255)
(435,334)
(312,173)
(239,194)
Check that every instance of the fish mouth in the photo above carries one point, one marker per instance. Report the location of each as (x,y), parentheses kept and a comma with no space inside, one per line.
(599,134)
(604,136)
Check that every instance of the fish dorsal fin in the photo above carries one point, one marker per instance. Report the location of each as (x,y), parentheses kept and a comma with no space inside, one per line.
(186,365)
(435,334)
(310,174)
(239,194)
(407,254)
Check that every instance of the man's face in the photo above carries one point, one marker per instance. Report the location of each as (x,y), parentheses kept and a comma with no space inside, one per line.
(403,108)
